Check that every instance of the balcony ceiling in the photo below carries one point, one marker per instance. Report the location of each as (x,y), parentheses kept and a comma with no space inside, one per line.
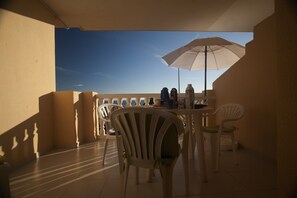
(181,15)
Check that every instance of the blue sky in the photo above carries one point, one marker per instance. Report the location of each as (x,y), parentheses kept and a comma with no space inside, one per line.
(127,61)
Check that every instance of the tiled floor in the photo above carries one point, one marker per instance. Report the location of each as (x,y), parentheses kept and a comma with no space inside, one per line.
(79,173)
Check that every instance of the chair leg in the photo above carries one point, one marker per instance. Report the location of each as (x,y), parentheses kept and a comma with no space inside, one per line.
(150,175)
(120,153)
(215,150)
(234,149)
(191,137)
(137,174)
(105,149)
(125,179)
(218,152)
(166,172)
(185,159)
(193,143)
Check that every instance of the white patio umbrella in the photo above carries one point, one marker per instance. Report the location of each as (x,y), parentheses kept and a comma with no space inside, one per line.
(205,53)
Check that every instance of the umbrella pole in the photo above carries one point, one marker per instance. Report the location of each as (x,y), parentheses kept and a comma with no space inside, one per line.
(178,76)
(205,71)
(205,80)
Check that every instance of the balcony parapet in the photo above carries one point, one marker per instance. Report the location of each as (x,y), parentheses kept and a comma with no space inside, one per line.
(141,99)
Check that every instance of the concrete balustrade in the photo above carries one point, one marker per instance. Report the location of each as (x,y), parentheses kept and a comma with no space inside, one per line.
(145,97)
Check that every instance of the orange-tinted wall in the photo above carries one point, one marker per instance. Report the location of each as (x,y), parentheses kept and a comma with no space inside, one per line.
(33,117)
(74,119)
(286,13)
(27,80)
(252,83)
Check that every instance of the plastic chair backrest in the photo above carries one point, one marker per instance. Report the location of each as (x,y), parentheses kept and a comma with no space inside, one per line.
(142,130)
(229,113)
(105,111)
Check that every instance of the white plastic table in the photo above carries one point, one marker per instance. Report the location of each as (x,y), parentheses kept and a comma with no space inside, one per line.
(195,116)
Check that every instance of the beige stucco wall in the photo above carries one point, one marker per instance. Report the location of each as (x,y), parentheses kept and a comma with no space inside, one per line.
(252,82)
(74,118)
(64,119)
(27,78)
(286,13)
(90,118)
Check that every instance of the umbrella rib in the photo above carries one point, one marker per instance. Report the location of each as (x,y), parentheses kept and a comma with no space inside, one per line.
(192,52)
(214,57)
(231,51)
(194,60)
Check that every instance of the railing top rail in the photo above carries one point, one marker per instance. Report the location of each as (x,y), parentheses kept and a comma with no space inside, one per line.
(127,94)
(139,95)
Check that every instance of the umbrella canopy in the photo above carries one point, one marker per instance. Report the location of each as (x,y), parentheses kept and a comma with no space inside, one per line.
(206,53)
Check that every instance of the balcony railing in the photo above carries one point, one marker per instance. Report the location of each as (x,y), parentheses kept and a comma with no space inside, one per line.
(140,99)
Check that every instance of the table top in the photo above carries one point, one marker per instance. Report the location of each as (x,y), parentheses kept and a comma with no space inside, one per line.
(202,110)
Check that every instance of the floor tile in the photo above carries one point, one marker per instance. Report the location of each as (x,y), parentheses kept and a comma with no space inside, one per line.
(80,173)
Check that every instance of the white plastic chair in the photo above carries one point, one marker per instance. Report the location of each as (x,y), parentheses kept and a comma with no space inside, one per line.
(150,140)
(105,111)
(226,115)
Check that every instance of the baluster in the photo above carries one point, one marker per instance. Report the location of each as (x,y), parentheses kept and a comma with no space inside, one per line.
(137,100)
(133,102)
(124,102)
(128,101)
(96,117)
(115,101)
(146,100)
(151,101)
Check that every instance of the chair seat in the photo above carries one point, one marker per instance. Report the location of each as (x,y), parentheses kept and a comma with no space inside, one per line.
(105,111)
(215,129)
(149,138)
(225,116)
(111,132)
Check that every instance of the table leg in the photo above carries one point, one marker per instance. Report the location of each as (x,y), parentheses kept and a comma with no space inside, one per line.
(191,143)
(200,145)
